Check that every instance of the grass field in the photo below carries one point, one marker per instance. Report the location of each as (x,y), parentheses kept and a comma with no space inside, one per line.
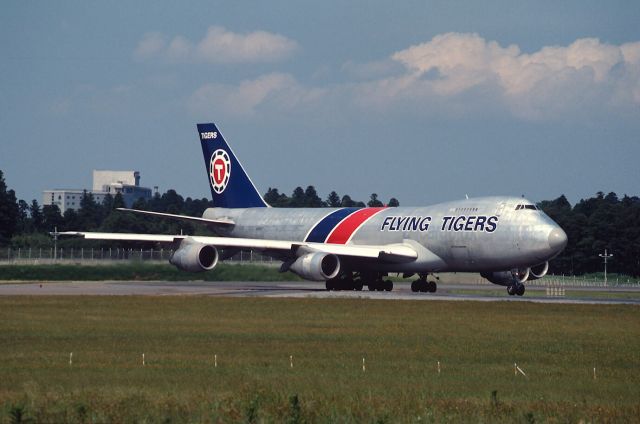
(477,343)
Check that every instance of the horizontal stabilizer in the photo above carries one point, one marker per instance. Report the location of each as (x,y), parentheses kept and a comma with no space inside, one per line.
(157,238)
(182,217)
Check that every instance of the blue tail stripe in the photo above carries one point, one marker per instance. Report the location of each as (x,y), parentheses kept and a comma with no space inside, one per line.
(237,191)
(322,229)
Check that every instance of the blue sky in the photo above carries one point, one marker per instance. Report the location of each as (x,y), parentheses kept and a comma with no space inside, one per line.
(426,101)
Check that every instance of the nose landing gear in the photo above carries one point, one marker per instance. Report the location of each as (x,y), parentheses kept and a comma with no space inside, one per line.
(516,289)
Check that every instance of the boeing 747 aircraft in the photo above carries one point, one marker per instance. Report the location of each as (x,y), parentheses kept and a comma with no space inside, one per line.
(508,240)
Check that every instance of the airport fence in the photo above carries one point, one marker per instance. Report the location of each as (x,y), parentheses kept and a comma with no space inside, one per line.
(549,280)
(35,256)
(583,281)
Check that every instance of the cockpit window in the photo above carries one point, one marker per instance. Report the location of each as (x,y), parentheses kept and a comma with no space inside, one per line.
(532,207)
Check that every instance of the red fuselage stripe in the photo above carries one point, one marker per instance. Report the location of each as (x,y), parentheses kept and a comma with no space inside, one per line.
(343,232)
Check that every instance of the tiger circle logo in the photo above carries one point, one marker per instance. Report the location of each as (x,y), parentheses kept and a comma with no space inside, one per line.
(219,170)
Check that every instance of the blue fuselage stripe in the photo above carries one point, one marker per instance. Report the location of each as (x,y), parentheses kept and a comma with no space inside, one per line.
(323,228)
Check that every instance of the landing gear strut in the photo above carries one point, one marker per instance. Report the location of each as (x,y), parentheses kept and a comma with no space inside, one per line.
(423,285)
(516,288)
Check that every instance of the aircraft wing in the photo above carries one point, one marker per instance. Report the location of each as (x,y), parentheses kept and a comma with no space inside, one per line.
(391,253)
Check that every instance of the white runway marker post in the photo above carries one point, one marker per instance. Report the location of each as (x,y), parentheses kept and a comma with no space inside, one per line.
(520,371)
(291,360)
(215,361)
(71,359)
(364,368)
(438,367)
(594,373)
(143,364)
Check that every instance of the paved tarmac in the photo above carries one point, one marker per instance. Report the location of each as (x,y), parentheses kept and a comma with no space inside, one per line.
(401,291)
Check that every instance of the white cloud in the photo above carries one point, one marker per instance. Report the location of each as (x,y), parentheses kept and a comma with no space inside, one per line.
(219,45)
(273,91)
(452,75)
(553,80)
(152,43)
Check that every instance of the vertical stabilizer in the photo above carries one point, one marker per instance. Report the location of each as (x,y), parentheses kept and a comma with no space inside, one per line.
(230,185)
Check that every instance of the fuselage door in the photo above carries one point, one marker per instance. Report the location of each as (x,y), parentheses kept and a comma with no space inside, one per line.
(500,208)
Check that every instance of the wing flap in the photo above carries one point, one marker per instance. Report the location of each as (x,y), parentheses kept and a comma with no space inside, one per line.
(396,253)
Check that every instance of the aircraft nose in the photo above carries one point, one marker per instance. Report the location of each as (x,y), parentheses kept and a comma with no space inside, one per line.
(557,239)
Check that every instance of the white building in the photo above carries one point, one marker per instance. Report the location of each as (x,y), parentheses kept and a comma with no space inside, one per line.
(102,179)
(104,182)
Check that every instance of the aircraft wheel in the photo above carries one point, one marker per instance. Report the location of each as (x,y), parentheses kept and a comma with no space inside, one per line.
(511,290)
(423,286)
(415,286)
(432,287)
(388,285)
(329,285)
(357,285)
(371,286)
(520,290)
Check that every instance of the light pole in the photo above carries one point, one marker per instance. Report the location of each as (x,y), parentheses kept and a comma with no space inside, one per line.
(605,257)
(55,243)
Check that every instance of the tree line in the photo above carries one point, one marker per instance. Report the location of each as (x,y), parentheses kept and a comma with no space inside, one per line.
(25,224)
(309,199)
(592,225)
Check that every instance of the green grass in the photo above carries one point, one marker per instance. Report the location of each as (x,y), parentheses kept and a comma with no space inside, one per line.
(476,343)
(569,293)
(138,271)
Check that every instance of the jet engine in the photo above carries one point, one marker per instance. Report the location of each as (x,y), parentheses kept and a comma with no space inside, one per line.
(192,256)
(539,271)
(505,278)
(316,266)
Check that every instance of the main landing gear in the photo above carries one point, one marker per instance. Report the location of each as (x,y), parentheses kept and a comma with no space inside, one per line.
(424,285)
(381,285)
(356,281)
(344,282)
(375,281)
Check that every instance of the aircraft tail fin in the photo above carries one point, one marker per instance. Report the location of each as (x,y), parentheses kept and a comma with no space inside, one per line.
(230,185)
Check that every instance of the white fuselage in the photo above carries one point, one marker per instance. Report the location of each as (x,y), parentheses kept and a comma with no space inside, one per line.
(482,234)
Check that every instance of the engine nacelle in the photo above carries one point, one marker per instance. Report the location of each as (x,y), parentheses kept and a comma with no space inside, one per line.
(505,278)
(194,257)
(316,266)
(539,271)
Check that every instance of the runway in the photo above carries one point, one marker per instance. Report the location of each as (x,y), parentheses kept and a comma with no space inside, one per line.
(402,291)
